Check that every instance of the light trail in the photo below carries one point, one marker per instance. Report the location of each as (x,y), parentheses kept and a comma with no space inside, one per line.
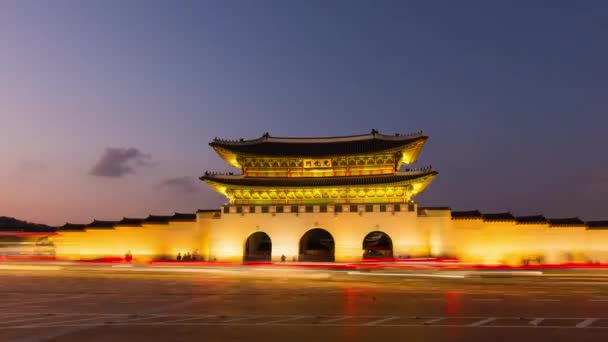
(31,267)
(422,275)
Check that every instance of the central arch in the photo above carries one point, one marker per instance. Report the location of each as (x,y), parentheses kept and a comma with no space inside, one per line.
(317,245)
(258,247)
(377,244)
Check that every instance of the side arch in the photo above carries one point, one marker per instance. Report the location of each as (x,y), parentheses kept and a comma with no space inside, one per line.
(258,247)
(377,244)
(317,244)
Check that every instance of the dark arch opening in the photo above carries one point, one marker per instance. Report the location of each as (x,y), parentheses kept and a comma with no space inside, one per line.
(377,245)
(317,245)
(258,247)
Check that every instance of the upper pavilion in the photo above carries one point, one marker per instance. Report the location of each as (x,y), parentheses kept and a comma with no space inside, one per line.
(348,169)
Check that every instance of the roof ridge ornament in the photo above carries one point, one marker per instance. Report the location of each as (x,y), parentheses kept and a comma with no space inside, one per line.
(375,133)
(214,173)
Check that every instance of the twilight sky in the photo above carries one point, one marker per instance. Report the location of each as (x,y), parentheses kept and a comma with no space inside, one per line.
(107,107)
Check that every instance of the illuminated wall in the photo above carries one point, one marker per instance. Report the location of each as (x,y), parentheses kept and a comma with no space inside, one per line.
(477,241)
(146,242)
(229,234)
(222,236)
(428,233)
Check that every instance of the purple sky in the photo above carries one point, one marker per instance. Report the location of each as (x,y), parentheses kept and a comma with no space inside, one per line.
(106,107)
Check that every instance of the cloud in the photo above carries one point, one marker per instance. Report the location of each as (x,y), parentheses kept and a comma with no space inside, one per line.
(185,185)
(119,162)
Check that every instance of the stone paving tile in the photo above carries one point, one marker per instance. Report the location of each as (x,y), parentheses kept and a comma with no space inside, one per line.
(456,321)
(316,320)
(511,322)
(560,322)
(200,319)
(17,320)
(253,320)
(32,320)
(408,320)
(603,323)
(76,319)
(134,318)
(353,320)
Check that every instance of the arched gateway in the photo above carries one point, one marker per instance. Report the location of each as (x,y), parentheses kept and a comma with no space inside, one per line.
(317,245)
(258,247)
(292,181)
(377,245)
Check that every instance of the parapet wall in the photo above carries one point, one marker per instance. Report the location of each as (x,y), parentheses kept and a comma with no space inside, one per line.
(415,232)
(147,242)
(511,243)
(348,229)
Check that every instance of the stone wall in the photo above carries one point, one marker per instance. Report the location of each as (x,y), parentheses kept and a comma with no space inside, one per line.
(222,237)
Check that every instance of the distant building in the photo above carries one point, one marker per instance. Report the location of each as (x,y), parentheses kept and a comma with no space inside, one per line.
(334,199)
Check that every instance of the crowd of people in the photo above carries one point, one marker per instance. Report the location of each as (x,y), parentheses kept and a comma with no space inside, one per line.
(194,256)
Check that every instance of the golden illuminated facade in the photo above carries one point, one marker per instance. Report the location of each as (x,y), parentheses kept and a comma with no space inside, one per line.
(356,169)
(333,199)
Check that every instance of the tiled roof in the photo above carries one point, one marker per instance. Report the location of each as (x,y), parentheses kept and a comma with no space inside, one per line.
(208,211)
(11,224)
(434,208)
(565,222)
(156,219)
(496,217)
(101,225)
(71,227)
(533,219)
(597,224)
(318,181)
(131,222)
(466,215)
(476,214)
(183,217)
(317,147)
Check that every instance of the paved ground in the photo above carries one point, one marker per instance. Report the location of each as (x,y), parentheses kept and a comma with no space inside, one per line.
(278,305)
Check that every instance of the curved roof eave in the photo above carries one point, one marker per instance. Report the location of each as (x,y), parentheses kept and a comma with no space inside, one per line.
(315,147)
(316,182)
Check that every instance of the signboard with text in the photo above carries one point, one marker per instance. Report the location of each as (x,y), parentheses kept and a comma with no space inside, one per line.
(317,163)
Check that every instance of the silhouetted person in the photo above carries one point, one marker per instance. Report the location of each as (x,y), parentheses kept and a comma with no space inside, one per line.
(283,258)
(179,256)
(128,257)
